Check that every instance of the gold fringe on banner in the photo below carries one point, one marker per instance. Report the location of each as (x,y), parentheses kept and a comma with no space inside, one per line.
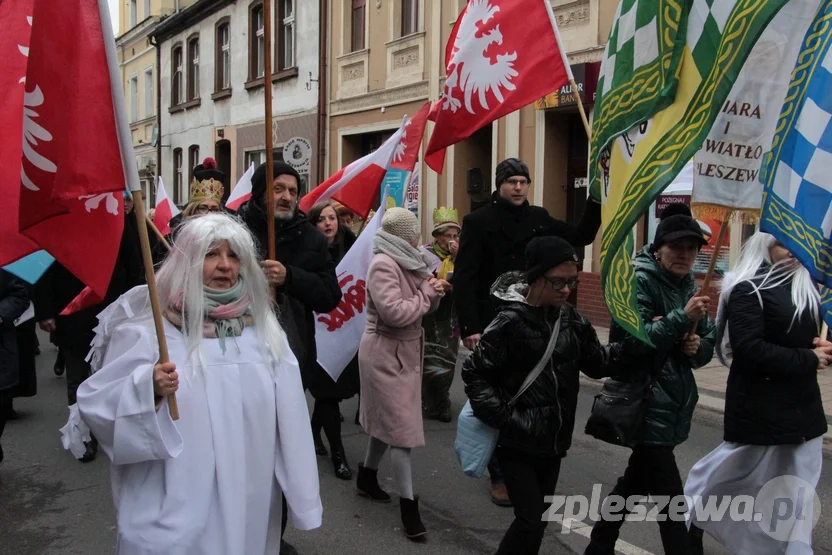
(724,213)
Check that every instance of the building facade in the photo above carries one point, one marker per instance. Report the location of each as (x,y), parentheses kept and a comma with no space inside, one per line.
(211,80)
(377,78)
(137,61)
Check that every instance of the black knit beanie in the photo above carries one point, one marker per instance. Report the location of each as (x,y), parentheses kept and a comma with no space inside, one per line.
(258,180)
(544,253)
(508,168)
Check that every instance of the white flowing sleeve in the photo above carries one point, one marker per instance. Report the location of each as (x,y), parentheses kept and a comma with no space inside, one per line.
(117,402)
(296,466)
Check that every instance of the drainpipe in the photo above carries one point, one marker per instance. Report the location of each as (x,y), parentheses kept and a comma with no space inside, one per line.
(323,7)
(158,111)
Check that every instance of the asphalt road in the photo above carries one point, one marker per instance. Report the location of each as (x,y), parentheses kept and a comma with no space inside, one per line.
(51,504)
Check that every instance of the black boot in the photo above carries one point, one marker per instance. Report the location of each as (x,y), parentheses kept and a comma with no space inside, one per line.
(339,463)
(367,485)
(411,520)
(320,450)
(695,543)
(91,452)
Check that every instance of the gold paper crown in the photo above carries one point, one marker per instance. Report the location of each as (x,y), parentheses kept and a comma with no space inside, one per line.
(443,216)
(207,189)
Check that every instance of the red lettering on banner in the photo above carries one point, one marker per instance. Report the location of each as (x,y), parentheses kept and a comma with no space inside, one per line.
(354,298)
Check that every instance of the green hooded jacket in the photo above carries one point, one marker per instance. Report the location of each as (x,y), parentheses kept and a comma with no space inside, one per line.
(661,303)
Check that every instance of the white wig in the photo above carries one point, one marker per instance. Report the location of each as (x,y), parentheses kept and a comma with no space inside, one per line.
(181,286)
(756,254)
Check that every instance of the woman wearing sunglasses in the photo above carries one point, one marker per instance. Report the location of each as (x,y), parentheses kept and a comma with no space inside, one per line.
(535,429)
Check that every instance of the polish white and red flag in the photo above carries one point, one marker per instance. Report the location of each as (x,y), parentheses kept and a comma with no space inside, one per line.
(501,56)
(165,209)
(63,181)
(241,192)
(357,185)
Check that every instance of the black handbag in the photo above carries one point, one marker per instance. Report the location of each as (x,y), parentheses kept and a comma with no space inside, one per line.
(618,411)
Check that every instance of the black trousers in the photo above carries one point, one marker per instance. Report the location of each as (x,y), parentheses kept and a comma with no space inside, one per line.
(5,405)
(650,471)
(327,415)
(77,370)
(494,471)
(529,479)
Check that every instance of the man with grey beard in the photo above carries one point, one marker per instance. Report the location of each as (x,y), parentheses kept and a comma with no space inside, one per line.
(303,274)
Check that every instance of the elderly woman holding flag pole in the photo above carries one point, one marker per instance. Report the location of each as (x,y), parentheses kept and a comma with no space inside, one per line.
(212,482)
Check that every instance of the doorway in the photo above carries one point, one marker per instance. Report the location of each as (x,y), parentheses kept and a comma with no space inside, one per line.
(222,152)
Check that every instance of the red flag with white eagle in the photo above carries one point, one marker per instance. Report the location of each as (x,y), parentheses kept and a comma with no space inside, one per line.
(165,209)
(407,151)
(504,55)
(356,186)
(68,195)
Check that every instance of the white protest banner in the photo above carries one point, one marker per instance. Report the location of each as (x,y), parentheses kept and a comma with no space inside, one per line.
(338,333)
(727,167)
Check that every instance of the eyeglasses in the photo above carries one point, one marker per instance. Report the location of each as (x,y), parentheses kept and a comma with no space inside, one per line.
(518,181)
(451,236)
(205,209)
(559,283)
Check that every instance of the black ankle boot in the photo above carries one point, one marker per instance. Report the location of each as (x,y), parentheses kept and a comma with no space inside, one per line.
(695,540)
(367,485)
(412,520)
(339,463)
(320,450)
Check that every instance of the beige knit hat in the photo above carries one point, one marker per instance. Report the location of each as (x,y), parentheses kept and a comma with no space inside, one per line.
(402,223)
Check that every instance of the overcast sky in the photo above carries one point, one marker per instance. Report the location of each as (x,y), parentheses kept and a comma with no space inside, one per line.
(114,14)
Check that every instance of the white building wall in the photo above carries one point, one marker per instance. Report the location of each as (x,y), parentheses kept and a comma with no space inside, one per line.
(197,125)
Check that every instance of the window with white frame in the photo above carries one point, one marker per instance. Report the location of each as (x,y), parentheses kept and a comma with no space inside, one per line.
(357,25)
(178,192)
(147,9)
(223,64)
(193,161)
(149,100)
(134,98)
(410,17)
(257,67)
(177,89)
(286,54)
(193,68)
(134,16)
(255,157)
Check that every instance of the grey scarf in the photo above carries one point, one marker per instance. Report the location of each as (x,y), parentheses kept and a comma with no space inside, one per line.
(407,256)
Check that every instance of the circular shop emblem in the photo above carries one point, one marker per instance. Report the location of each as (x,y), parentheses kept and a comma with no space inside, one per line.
(297,153)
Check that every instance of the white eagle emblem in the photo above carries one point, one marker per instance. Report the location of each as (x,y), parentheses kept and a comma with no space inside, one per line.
(401,148)
(474,68)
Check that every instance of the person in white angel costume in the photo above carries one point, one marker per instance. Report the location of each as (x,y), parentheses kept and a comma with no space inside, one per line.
(211,482)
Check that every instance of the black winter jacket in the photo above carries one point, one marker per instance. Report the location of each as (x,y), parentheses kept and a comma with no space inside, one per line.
(493,241)
(772,396)
(542,420)
(311,284)
(13,302)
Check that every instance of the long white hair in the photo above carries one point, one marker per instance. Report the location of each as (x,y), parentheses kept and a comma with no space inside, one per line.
(181,286)
(754,256)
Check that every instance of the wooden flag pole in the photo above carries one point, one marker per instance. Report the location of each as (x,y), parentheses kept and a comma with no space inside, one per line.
(712,265)
(824,331)
(150,275)
(267,86)
(568,67)
(157,232)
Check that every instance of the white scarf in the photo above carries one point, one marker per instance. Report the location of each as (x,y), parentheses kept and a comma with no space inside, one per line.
(406,255)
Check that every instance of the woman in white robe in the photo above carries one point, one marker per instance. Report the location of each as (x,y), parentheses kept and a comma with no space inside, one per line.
(767,324)
(210,482)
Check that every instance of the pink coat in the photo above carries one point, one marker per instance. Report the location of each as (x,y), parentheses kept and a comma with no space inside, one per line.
(391,352)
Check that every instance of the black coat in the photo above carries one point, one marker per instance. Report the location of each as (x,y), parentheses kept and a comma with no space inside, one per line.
(542,420)
(27,344)
(58,287)
(772,396)
(13,302)
(311,285)
(316,379)
(493,242)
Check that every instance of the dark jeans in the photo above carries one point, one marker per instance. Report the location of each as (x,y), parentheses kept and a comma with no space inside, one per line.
(77,370)
(327,415)
(528,480)
(650,471)
(494,470)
